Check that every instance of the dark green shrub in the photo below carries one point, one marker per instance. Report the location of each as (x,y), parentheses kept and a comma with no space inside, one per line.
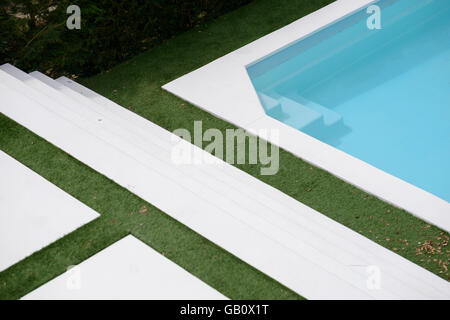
(34,36)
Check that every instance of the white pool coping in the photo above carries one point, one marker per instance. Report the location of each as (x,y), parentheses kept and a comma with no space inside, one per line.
(127,270)
(33,212)
(224,89)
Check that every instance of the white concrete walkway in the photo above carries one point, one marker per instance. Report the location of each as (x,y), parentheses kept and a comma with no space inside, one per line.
(33,212)
(301,248)
(128,269)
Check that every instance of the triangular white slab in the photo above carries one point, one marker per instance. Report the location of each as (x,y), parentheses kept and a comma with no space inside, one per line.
(128,269)
(33,212)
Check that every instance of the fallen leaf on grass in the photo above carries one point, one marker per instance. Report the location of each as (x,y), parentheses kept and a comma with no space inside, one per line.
(143,209)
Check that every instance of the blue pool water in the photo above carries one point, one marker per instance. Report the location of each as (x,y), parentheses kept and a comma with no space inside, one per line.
(382,96)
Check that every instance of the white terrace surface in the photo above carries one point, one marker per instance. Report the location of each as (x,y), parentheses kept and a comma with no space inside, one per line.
(292,243)
(128,269)
(223,88)
(33,212)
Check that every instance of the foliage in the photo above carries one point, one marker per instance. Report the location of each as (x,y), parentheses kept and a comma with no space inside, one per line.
(34,36)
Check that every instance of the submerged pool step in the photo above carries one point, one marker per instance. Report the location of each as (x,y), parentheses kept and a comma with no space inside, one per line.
(290,242)
(271,106)
(299,116)
(301,113)
(330,117)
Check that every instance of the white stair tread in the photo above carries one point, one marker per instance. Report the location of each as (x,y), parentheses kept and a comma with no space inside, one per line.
(33,212)
(274,227)
(128,269)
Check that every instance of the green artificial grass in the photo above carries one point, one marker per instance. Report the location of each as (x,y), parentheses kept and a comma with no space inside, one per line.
(136,84)
(122,213)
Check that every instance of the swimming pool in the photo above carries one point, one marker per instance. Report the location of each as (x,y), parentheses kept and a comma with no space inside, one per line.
(358,103)
(382,96)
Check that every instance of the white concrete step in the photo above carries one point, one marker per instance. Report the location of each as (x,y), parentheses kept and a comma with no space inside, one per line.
(183,205)
(33,212)
(128,269)
(281,222)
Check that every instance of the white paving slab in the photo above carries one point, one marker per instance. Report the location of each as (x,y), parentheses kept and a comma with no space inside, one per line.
(301,248)
(224,89)
(33,212)
(128,269)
